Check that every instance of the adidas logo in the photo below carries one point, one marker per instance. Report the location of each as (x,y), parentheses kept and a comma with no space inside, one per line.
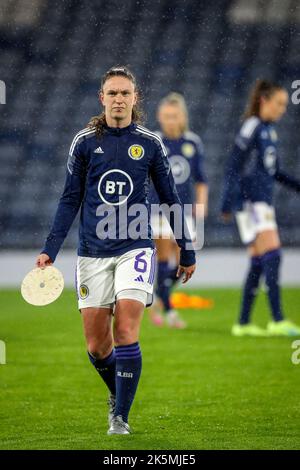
(139,279)
(98,150)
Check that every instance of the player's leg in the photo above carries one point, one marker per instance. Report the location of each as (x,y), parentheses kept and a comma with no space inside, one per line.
(164,253)
(247,229)
(172,315)
(167,250)
(94,284)
(162,234)
(128,315)
(172,274)
(251,285)
(268,246)
(97,326)
(173,318)
(250,289)
(134,275)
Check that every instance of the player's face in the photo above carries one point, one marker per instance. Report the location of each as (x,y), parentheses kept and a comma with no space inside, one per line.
(275,107)
(171,119)
(118,98)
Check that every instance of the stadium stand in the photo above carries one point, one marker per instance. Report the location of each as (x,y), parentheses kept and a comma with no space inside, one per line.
(53,54)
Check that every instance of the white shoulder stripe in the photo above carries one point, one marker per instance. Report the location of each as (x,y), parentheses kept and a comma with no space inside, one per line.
(155,136)
(249,127)
(159,133)
(80,134)
(86,131)
(143,130)
(192,136)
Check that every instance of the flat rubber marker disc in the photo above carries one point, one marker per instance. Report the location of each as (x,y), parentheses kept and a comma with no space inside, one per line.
(42,286)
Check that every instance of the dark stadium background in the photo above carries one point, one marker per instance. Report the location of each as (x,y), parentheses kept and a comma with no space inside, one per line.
(201,387)
(53,54)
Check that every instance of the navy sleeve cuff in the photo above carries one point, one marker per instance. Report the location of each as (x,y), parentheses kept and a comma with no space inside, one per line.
(187,258)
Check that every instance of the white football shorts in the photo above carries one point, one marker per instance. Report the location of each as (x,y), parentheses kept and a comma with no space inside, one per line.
(255,217)
(99,281)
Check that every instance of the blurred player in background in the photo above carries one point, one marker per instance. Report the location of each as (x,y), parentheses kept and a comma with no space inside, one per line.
(110,163)
(185,153)
(252,170)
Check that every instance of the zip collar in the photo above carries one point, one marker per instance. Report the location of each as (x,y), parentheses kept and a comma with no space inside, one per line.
(120,130)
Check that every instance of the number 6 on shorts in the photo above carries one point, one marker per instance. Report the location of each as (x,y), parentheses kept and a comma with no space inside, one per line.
(140,264)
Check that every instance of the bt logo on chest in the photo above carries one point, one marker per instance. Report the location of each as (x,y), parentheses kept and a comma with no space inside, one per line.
(111,187)
(115,187)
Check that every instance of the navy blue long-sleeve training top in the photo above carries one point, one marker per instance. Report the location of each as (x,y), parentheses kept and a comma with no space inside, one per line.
(254,166)
(105,174)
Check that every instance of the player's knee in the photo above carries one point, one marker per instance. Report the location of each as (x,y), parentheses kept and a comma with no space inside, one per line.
(94,351)
(124,334)
(99,350)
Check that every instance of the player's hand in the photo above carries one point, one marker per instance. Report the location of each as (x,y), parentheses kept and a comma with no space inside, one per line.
(43,261)
(188,271)
(226,217)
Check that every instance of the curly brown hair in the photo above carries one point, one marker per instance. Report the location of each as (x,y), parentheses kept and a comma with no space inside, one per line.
(99,122)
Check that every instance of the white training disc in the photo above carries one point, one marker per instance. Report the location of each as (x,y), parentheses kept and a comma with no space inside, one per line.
(42,286)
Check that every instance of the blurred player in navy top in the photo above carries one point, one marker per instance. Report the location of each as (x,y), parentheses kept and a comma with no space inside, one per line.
(186,155)
(109,167)
(252,170)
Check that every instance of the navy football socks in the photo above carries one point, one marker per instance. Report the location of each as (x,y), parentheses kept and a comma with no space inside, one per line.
(271,263)
(172,275)
(106,368)
(250,289)
(163,284)
(128,371)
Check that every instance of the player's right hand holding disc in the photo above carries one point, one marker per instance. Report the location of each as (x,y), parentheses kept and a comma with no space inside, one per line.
(43,261)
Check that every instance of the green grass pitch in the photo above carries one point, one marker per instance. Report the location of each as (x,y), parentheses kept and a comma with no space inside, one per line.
(200,388)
